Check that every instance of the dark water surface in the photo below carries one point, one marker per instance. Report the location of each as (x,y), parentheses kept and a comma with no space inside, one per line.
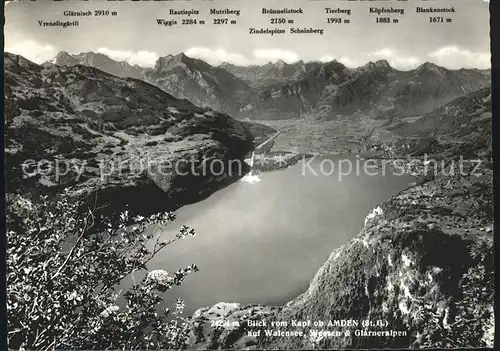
(263,242)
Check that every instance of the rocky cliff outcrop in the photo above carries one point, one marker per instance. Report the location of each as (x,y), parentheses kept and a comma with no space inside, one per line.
(121,141)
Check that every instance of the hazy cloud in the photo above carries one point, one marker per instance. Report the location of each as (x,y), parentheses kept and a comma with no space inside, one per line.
(33,51)
(141,58)
(266,55)
(217,56)
(455,58)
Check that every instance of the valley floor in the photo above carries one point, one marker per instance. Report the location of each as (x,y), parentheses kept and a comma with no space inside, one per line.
(342,136)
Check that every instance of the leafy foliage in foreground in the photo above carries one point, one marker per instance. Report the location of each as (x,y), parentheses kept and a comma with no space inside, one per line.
(62,274)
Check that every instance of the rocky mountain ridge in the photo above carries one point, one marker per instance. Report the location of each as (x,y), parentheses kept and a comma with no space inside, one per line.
(312,90)
(199,82)
(270,73)
(100,61)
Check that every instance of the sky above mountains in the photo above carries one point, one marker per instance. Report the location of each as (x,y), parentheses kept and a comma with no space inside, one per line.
(134,35)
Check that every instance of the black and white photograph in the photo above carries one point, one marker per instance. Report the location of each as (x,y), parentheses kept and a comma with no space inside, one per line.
(248,175)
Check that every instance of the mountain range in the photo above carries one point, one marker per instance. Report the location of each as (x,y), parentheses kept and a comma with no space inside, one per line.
(312,90)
